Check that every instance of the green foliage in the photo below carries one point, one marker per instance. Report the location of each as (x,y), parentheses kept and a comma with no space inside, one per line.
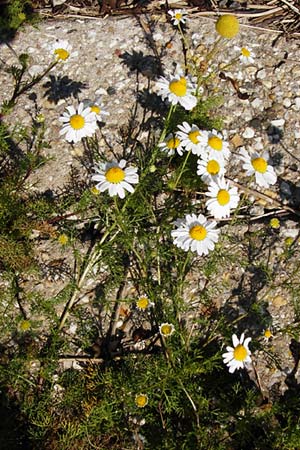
(73,359)
(14,14)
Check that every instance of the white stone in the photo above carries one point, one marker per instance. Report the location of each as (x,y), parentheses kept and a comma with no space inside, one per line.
(278,122)
(101,91)
(158,37)
(58,2)
(286,102)
(248,133)
(256,103)
(261,74)
(297,103)
(267,84)
(297,134)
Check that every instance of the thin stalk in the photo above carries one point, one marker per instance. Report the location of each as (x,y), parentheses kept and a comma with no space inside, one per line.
(20,90)
(92,258)
(182,169)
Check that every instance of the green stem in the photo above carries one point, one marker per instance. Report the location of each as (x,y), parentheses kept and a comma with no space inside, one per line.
(20,90)
(182,169)
(92,258)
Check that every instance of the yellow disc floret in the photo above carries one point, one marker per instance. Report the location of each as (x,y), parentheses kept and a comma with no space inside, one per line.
(193,136)
(275,223)
(245,52)
(215,142)
(213,167)
(25,325)
(166,329)
(178,16)
(95,109)
(115,175)
(240,353)
(141,400)
(178,87)
(63,239)
(260,165)
(223,197)
(227,26)
(77,121)
(61,53)
(173,142)
(142,303)
(198,232)
(268,333)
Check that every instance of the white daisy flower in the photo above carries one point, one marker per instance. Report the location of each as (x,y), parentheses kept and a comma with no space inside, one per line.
(143,303)
(195,233)
(216,146)
(223,198)
(166,329)
(258,165)
(209,168)
(171,143)
(238,356)
(78,124)
(141,400)
(177,89)
(246,55)
(192,138)
(113,176)
(61,50)
(96,107)
(177,16)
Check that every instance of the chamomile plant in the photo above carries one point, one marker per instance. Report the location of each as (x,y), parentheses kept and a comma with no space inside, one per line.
(122,290)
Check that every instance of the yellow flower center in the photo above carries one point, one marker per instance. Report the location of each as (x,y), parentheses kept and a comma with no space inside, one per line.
(213,167)
(142,303)
(115,175)
(216,143)
(61,53)
(173,142)
(260,165)
(95,109)
(193,136)
(77,122)
(268,334)
(198,232)
(178,87)
(63,239)
(227,26)
(275,223)
(178,16)
(25,325)
(245,52)
(240,353)
(95,191)
(166,329)
(141,400)
(223,197)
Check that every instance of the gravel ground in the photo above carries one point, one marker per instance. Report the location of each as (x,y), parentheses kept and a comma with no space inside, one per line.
(104,52)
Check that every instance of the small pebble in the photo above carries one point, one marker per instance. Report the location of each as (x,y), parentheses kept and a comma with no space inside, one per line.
(297,103)
(278,122)
(286,102)
(248,133)
(261,74)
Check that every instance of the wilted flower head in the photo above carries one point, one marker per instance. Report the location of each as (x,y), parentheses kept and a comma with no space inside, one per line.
(227,26)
